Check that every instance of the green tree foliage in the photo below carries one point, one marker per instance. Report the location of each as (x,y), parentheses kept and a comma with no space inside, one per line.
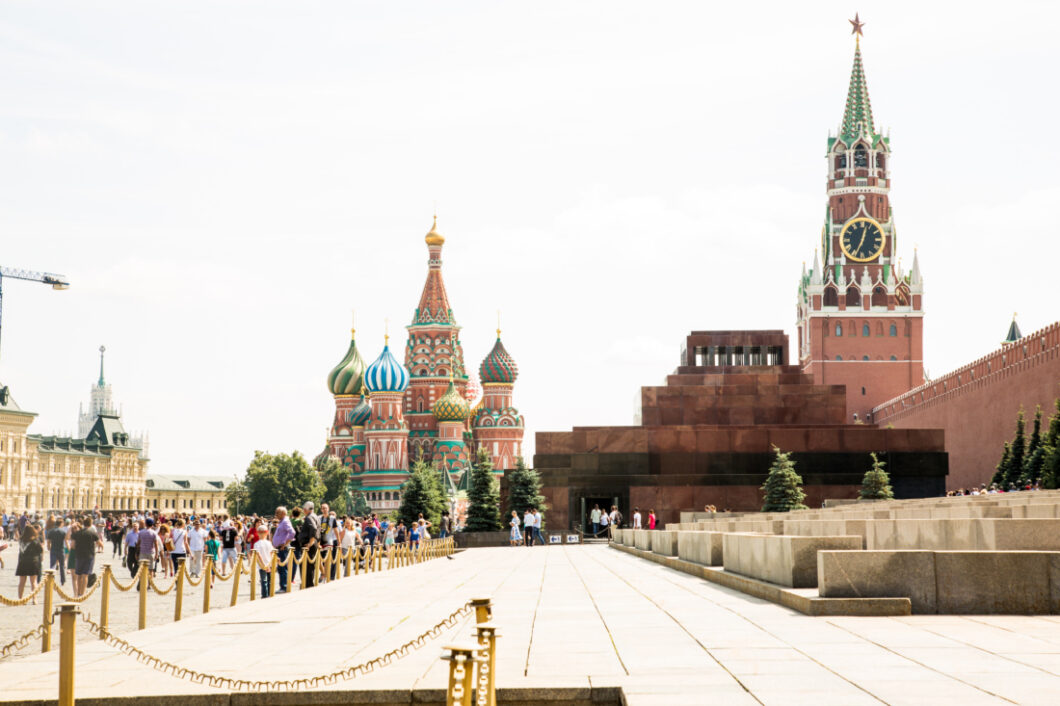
(1018,452)
(280,479)
(524,488)
(360,504)
(876,485)
(1003,466)
(1032,464)
(483,496)
(237,496)
(783,486)
(336,479)
(422,493)
(1050,470)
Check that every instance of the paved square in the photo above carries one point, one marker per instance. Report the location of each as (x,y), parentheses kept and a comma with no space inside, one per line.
(584,615)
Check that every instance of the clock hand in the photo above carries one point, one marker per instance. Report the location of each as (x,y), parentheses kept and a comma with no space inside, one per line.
(861,242)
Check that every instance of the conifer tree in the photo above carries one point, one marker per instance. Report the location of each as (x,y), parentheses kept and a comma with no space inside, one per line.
(876,485)
(524,488)
(1050,470)
(1032,464)
(1002,469)
(483,496)
(1018,452)
(361,507)
(783,486)
(422,493)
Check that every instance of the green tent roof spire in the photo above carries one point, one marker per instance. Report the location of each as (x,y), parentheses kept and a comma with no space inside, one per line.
(857,115)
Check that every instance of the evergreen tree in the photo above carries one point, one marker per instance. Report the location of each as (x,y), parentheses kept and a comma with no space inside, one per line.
(876,485)
(1032,463)
(1018,452)
(483,496)
(1050,470)
(783,486)
(422,493)
(1002,469)
(524,488)
(360,504)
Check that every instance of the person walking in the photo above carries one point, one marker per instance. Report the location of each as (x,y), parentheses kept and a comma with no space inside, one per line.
(132,548)
(515,537)
(196,546)
(179,536)
(446,525)
(56,538)
(30,555)
(528,527)
(86,541)
(148,544)
(651,519)
(213,547)
(281,541)
(228,536)
(604,524)
(594,519)
(636,519)
(308,542)
(538,519)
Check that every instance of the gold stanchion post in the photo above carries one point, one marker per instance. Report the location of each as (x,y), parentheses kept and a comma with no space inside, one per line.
(486,633)
(253,584)
(144,587)
(178,604)
(49,592)
(104,602)
(207,581)
(483,609)
(302,564)
(67,613)
(461,689)
(273,566)
(235,579)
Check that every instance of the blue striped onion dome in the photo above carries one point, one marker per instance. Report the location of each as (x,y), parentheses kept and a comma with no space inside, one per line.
(451,407)
(347,377)
(386,374)
(360,414)
(498,366)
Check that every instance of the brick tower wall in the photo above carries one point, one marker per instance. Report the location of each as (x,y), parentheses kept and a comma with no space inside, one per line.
(977,404)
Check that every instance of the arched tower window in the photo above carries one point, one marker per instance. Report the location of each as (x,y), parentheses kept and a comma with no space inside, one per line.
(865,358)
(853,296)
(894,358)
(861,156)
(831,296)
(865,330)
(841,162)
(839,329)
(893,330)
(880,161)
(839,357)
(879,296)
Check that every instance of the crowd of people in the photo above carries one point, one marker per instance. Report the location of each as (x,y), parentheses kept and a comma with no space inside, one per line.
(528,531)
(993,489)
(69,542)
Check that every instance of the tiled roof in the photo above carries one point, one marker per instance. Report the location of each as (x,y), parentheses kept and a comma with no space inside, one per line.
(187,484)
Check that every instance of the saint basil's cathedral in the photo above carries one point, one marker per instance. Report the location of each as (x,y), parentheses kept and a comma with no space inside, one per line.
(388,413)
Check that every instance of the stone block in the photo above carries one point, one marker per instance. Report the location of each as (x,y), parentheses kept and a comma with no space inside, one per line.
(981,582)
(780,559)
(642,539)
(706,548)
(1028,534)
(664,542)
(879,574)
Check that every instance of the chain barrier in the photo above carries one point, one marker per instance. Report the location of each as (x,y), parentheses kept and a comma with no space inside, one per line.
(222,682)
(20,642)
(25,599)
(71,599)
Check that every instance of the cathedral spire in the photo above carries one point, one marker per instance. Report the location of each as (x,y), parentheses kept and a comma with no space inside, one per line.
(434,302)
(102,350)
(857,115)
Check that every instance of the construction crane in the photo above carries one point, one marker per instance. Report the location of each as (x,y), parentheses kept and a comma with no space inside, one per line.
(56,281)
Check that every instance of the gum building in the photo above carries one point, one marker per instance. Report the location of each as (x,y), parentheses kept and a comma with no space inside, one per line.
(707,437)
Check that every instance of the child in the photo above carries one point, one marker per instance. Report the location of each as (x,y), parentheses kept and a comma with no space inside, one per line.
(212,548)
(264,549)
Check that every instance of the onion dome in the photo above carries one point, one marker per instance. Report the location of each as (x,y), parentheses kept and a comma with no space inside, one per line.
(498,366)
(360,414)
(433,237)
(386,374)
(451,407)
(347,377)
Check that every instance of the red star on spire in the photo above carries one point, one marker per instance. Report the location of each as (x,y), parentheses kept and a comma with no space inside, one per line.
(858,24)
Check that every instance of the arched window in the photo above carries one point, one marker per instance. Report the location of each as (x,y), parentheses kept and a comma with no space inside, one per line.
(839,329)
(419,405)
(831,296)
(839,357)
(853,296)
(861,156)
(863,391)
(865,330)
(880,162)
(894,358)
(865,358)
(893,330)
(841,162)
(879,296)
(879,329)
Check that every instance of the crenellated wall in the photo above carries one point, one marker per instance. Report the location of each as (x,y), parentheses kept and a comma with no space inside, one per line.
(977,404)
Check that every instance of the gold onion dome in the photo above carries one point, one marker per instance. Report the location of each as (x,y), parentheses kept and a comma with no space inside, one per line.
(347,378)
(451,407)
(433,237)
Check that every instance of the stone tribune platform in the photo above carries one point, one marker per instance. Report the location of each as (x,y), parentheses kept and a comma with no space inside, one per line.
(579,616)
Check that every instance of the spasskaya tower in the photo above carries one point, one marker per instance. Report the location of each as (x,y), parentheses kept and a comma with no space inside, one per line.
(860,317)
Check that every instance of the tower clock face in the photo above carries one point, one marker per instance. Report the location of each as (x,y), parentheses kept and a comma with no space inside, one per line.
(862,240)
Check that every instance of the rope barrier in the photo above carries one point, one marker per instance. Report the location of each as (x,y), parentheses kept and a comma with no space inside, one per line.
(71,599)
(125,587)
(159,591)
(222,682)
(25,599)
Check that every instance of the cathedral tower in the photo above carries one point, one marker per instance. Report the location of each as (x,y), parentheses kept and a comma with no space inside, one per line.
(386,433)
(497,425)
(346,383)
(433,356)
(860,317)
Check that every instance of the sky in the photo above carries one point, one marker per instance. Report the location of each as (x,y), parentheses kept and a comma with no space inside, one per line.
(223,183)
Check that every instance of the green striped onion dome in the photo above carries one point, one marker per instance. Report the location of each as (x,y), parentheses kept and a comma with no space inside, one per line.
(360,414)
(451,407)
(347,378)
(498,366)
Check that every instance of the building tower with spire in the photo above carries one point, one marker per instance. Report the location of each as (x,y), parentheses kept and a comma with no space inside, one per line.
(433,354)
(101,403)
(386,433)
(860,317)
(497,425)
(346,384)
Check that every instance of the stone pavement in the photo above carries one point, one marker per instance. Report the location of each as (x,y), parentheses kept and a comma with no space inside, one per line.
(585,615)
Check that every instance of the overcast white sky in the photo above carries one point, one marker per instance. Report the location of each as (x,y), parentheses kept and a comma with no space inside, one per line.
(224,181)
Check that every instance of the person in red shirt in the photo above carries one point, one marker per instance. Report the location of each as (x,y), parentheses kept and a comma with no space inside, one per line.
(651,520)
(252,537)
